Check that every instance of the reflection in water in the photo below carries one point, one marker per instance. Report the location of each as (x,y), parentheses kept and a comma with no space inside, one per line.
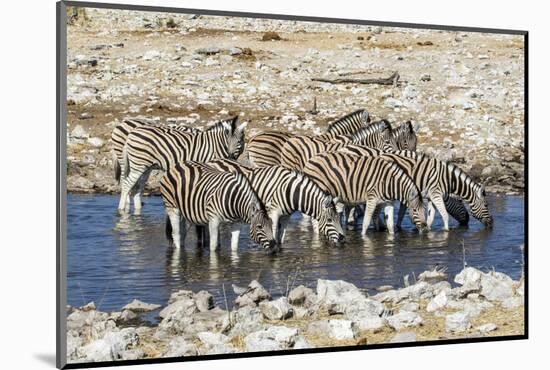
(113,259)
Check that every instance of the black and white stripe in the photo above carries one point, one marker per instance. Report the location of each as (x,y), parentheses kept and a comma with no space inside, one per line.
(265,149)
(404,136)
(148,148)
(284,192)
(196,193)
(371,180)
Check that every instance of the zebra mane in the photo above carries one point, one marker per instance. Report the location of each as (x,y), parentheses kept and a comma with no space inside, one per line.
(462,176)
(405,127)
(347,119)
(220,125)
(242,179)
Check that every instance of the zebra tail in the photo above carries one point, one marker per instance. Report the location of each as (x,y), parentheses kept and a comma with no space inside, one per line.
(126,161)
(168,230)
(116,167)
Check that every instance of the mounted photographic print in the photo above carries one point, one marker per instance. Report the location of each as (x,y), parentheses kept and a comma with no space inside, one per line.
(236,184)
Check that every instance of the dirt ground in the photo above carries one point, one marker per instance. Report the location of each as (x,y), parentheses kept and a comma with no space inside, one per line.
(463,91)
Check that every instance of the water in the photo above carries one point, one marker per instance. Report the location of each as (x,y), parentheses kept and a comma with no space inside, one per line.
(114,259)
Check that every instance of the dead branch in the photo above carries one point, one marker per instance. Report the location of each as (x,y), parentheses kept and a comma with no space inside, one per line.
(392,80)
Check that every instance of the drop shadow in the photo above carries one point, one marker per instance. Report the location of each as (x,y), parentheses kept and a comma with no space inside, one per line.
(46,358)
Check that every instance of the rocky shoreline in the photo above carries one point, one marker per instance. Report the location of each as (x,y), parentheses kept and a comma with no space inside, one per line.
(336,313)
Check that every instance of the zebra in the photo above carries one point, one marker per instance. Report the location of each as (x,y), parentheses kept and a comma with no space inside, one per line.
(355,179)
(437,178)
(405,137)
(265,149)
(453,204)
(196,193)
(284,192)
(122,130)
(298,150)
(149,148)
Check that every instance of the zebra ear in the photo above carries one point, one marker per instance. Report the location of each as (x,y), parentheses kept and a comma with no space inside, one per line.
(411,128)
(242,126)
(328,201)
(366,116)
(227,126)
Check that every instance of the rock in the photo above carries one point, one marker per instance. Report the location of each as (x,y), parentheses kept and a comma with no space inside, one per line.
(520,288)
(368,322)
(215,343)
(301,294)
(486,328)
(185,306)
(245,321)
(186,65)
(336,329)
(253,295)
(73,344)
(279,309)
(79,132)
(470,279)
(271,36)
(180,294)
(302,343)
(392,103)
(204,300)
(474,309)
(126,316)
(425,77)
(404,337)
(410,306)
(404,319)
(513,302)
(112,346)
(410,92)
(457,322)
(438,302)
(96,142)
(179,347)
(384,288)
(433,276)
(79,183)
(337,295)
(152,55)
(85,115)
(271,339)
(496,286)
(139,306)
(208,51)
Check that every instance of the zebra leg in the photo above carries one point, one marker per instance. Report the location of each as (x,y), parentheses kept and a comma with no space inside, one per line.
(139,192)
(378,222)
(388,215)
(213,230)
(400,215)
(127,186)
(439,204)
(351,216)
(275,222)
(431,215)
(235,238)
(176,222)
(369,210)
(282,228)
(200,230)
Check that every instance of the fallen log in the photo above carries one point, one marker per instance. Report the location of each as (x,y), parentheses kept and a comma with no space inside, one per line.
(392,80)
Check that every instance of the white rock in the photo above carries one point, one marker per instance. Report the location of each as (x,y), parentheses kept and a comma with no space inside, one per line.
(404,319)
(278,309)
(270,339)
(457,322)
(139,306)
(337,295)
(335,329)
(438,302)
(79,132)
(513,302)
(404,337)
(152,55)
(486,328)
(392,103)
(179,347)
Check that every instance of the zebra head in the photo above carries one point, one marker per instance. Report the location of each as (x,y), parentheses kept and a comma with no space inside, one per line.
(234,134)
(261,228)
(457,210)
(405,137)
(416,210)
(479,207)
(329,221)
(386,141)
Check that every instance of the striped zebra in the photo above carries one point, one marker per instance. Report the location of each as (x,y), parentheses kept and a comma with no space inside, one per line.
(298,150)
(148,148)
(284,192)
(265,149)
(437,178)
(122,130)
(453,204)
(405,137)
(371,180)
(196,193)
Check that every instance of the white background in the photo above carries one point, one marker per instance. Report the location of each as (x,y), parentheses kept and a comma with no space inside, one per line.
(27,143)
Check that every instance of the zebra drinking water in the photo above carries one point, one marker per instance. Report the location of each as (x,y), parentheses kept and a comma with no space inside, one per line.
(370,180)
(148,148)
(284,192)
(201,195)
